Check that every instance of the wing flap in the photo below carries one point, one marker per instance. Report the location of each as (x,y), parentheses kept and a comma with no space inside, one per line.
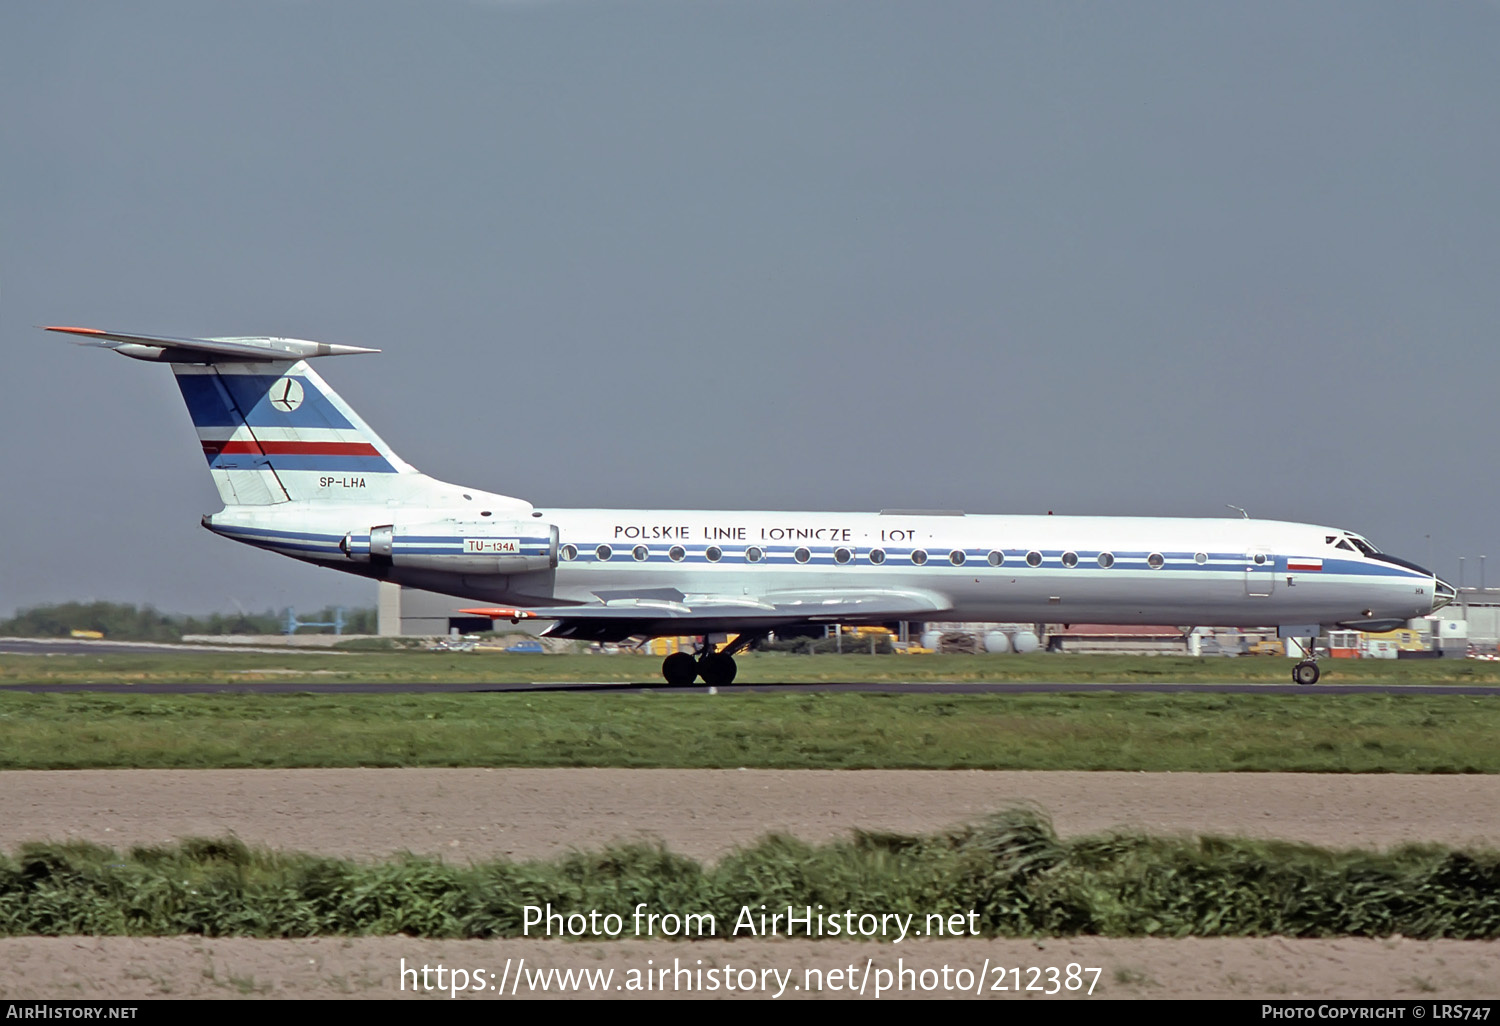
(700,614)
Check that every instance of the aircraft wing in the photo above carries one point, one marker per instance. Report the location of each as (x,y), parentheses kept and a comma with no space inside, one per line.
(619,618)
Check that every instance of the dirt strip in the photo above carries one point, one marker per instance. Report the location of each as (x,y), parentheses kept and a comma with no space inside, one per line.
(118,968)
(476,814)
(467,814)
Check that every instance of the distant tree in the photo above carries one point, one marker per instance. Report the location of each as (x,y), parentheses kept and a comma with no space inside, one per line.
(127,622)
(361,621)
(268,622)
(112,619)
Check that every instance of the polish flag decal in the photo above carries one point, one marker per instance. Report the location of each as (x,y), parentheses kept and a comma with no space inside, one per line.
(1304,565)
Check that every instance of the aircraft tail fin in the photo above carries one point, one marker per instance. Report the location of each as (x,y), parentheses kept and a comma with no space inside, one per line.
(275,432)
(271,428)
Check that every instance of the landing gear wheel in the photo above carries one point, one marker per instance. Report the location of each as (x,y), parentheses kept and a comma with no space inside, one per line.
(680,669)
(1305,672)
(717,670)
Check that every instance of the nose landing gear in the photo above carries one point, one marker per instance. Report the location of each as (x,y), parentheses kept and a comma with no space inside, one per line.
(1306,671)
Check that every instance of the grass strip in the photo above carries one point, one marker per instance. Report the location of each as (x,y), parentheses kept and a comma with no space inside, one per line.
(233,667)
(1011,870)
(1404,733)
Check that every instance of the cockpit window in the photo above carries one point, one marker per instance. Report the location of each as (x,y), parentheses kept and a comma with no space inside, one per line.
(1352,543)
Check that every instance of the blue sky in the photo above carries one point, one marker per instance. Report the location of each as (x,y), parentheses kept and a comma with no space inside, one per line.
(1145,258)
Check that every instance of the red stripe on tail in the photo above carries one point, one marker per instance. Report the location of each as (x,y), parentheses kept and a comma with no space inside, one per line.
(292,448)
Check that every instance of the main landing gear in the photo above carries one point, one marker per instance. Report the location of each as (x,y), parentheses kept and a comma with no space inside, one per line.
(717,668)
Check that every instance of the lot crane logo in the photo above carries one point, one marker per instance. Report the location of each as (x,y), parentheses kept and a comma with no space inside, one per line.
(286,394)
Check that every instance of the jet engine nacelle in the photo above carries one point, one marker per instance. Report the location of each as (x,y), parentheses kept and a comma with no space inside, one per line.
(469,547)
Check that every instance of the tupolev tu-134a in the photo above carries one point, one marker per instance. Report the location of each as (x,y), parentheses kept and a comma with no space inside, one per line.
(301,474)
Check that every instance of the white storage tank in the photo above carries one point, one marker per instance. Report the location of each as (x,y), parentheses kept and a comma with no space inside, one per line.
(996,642)
(1025,641)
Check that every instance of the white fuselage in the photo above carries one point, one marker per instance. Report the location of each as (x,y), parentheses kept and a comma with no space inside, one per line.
(1120,570)
(302,474)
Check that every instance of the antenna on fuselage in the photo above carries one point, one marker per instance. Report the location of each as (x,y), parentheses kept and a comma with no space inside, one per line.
(1240,508)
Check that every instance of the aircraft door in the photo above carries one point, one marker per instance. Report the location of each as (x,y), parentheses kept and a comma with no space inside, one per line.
(1260,573)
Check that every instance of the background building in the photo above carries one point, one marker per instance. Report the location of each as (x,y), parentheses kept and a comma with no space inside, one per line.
(407,612)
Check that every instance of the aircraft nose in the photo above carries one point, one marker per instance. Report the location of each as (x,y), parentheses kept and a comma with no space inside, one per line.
(1442,593)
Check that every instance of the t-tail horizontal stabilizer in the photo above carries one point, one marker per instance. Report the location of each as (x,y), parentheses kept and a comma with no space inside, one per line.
(208,350)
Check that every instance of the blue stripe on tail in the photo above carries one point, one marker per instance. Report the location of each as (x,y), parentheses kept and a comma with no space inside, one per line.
(211,400)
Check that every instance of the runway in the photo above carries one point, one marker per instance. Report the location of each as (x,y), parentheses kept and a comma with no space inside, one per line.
(280,687)
(72,646)
(79,646)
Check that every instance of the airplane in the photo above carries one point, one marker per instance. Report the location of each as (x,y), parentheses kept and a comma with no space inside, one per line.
(301,474)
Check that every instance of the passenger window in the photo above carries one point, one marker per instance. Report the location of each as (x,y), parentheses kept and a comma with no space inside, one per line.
(1070,559)
(640,552)
(1106,559)
(1155,561)
(603,552)
(677,552)
(957,557)
(802,555)
(754,554)
(1200,557)
(919,556)
(1033,558)
(569,552)
(842,556)
(996,557)
(714,553)
(877,556)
